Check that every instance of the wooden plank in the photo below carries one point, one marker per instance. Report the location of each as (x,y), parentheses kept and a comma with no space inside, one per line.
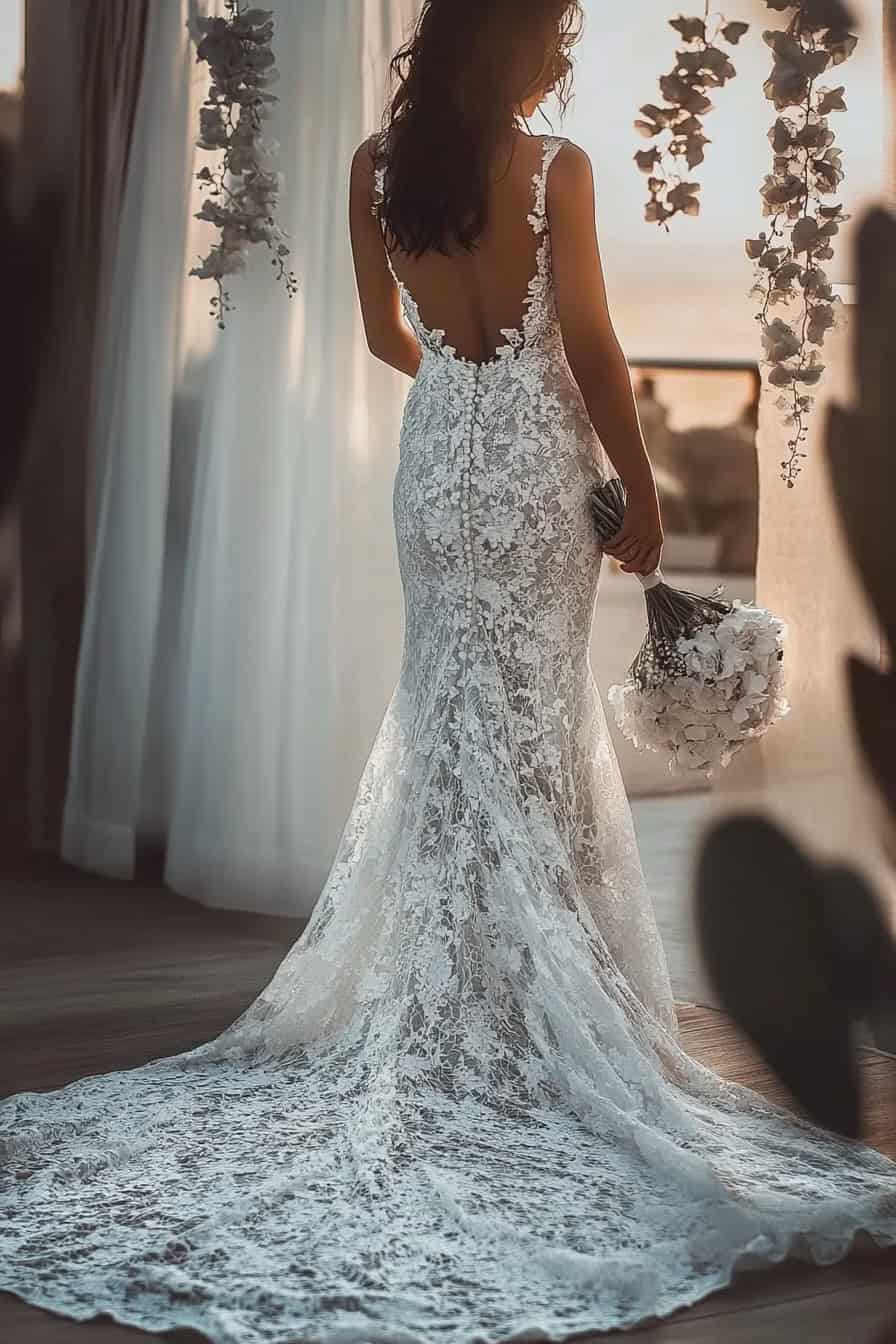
(858,1315)
(124,973)
(21,1324)
(714,1039)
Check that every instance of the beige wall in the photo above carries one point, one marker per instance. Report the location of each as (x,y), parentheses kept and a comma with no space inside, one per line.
(808,771)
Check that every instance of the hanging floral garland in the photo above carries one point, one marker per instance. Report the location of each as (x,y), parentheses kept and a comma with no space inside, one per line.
(700,66)
(806,167)
(243,192)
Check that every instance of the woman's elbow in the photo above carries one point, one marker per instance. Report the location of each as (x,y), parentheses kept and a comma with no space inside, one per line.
(386,346)
(594,357)
(378,342)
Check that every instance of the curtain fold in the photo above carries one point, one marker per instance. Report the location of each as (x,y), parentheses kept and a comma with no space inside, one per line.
(244,621)
(889,52)
(83,68)
(131,444)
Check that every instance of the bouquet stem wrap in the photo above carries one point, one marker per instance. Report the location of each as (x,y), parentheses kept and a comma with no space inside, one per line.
(672,613)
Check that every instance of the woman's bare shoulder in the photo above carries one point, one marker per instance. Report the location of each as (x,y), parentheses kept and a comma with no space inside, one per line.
(365,157)
(571,169)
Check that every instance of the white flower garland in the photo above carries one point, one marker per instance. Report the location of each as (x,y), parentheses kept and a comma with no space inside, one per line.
(245,191)
(733,691)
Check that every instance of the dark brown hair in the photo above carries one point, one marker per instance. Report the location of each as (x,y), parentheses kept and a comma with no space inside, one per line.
(458,83)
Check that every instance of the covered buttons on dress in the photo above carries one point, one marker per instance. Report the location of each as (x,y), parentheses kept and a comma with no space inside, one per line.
(470,422)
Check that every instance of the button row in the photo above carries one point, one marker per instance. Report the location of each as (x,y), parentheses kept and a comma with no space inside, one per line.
(470,428)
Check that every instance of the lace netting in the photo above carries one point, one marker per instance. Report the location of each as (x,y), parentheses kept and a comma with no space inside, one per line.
(459,1110)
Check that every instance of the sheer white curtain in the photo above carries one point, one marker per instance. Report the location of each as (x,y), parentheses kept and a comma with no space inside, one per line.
(244,622)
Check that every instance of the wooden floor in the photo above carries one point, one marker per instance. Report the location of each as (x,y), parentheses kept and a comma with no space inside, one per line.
(99,975)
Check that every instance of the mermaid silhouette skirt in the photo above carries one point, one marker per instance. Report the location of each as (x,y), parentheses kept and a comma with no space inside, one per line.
(459,1110)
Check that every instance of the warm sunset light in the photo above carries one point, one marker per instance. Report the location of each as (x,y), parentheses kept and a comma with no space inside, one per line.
(686,292)
(11,42)
(447,684)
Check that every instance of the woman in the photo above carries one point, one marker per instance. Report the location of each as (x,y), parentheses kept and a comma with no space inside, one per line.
(459,1110)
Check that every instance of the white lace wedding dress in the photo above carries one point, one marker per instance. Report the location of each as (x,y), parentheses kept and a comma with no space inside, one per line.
(458,1111)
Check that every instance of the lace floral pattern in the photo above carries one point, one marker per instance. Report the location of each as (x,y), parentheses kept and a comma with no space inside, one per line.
(459,1110)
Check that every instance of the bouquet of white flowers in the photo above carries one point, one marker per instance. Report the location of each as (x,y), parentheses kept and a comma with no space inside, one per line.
(707,678)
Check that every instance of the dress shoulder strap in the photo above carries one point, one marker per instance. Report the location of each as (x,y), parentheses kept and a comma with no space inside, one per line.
(379,172)
(538,216)
(550,146)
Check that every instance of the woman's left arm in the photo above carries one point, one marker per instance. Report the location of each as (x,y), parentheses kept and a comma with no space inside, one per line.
(388,336)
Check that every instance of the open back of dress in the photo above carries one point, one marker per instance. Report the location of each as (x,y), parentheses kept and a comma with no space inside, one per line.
(476,297)
(457,304)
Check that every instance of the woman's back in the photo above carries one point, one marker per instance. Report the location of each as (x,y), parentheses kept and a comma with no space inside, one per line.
(476,296)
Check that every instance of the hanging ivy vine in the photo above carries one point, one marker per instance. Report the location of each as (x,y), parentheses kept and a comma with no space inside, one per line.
(806,167)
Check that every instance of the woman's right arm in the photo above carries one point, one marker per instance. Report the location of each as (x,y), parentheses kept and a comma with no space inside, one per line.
(596,357)
(388,337)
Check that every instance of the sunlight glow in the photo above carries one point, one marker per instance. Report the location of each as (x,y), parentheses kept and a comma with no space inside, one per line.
(12,39)
(685,293)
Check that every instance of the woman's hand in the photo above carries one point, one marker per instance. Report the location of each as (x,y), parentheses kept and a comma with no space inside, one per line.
(638,545)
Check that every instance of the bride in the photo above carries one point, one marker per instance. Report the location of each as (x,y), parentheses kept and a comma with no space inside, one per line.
(459,1110)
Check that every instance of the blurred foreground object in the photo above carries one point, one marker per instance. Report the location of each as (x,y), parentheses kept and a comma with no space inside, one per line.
(860,448)
(28,259)
(798,951)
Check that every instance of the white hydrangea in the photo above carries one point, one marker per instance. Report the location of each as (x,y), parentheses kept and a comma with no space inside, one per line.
(733,691)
